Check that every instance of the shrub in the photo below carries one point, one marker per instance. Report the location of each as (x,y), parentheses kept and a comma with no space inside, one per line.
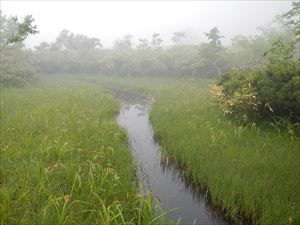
(15,70)
(269,93)
(242,104)
(17,76)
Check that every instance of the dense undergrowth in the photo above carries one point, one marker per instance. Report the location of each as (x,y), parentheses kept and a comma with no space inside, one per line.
(64,160)
(251,172)
(264,95)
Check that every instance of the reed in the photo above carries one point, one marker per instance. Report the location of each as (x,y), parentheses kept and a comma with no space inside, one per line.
(252,172)
(64,160)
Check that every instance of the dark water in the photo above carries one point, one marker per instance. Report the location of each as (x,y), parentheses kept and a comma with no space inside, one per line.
(164,180)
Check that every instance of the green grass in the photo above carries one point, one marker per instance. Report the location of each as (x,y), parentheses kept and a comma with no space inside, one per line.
(253,171)
(64,160)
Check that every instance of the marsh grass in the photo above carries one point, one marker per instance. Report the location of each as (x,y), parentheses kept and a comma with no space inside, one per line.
(64,160)
(53,171)
(252,173)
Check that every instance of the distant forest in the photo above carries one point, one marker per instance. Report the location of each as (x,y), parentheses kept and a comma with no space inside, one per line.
(78,54)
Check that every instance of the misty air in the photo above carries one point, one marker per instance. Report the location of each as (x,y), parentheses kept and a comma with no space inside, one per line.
(150,112)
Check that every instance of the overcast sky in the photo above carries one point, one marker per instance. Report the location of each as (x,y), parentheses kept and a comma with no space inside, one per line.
(109,20)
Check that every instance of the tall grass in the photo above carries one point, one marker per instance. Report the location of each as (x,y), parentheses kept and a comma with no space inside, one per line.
(249,171)
(64,160)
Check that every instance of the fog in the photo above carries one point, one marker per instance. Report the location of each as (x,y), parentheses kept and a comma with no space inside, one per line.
(208,95)
(199,39)
(109,20)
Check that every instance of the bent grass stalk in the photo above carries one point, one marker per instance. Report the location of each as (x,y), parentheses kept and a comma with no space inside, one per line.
(251,172)
(64,160)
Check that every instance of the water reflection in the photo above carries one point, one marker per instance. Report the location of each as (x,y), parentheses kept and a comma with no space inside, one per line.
(160,175)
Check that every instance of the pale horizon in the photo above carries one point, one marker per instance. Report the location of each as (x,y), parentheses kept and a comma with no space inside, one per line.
(112,20)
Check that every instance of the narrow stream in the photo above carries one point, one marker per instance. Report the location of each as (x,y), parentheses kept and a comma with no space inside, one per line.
(165,181)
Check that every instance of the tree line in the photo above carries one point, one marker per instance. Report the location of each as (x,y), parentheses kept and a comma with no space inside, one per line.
(80,54)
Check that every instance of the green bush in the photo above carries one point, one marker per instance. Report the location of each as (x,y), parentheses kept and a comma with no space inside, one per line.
(272,92)
(16,71)
(17,76)
(242,104)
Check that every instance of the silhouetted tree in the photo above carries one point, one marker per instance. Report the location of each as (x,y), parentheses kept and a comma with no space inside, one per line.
(125,43)
(144,44)
(177,37)
(12,31)
(293,19)
(156,41)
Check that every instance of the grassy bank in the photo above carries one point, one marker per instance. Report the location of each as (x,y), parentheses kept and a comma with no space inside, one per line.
(250,170)
(64,160)
(253,172)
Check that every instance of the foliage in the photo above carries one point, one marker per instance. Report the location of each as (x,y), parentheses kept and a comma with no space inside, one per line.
(15,67)
(75,42)
(211,52)
(270,90)
(13,31)
(214,37)
(79,54)
(156,41)
(275,90)
(242,104)
(125,43)
(177,36)
(15,72)
(70,53)
(150,58)
(246,53)
(293,19)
